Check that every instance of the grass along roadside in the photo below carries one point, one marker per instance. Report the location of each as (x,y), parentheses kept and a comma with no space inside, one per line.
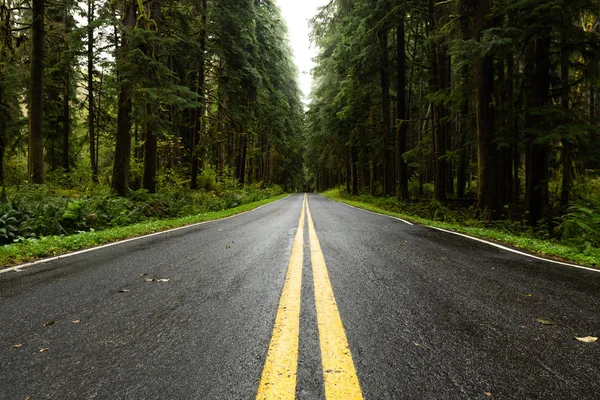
(545,248)
(32,249)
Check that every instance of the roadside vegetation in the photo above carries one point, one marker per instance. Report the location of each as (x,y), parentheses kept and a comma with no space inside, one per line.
(119,118)
(479,114)
(46,220)
(574,237)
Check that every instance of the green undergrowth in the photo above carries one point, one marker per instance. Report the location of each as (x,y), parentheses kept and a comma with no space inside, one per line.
(513,234)
(29,249)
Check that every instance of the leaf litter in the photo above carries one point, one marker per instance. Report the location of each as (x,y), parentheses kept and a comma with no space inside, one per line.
(587,339)
(584,339)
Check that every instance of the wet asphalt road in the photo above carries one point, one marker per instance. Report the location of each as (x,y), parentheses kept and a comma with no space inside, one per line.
(427,314)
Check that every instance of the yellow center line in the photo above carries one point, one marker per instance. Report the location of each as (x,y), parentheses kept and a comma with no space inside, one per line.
(279,374)
(341,381)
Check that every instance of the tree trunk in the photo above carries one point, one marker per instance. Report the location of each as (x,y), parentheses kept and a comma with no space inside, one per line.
(98,118)
(461,173)
(465,10)
(120,180)
(36,109)
(402,129)
(242,159)
(487,159)
(199,112)
(385,104)
(513,128)
(566,158)
(90,88)
(354,171)
(538,153)
(150,157)
(438,74)
(347,165)
(66,127)
(153,111)
(372,177)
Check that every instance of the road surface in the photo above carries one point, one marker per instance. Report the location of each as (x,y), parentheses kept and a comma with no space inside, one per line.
(372,308)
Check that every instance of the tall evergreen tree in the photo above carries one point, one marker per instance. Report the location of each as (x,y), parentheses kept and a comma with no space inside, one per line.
(36,108)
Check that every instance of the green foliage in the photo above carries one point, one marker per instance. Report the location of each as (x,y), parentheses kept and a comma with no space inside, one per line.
(46,210)
(516,234)
(248,97)
(12,225)
(581,225)
(538,64)
(28,249)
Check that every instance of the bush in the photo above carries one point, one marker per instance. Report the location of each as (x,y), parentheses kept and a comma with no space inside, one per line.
(12,225)
(581,225)
(45,210)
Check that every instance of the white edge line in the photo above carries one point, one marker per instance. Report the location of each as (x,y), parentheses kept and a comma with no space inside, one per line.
(369,211)
(480,240)
(515,251)
(18,268)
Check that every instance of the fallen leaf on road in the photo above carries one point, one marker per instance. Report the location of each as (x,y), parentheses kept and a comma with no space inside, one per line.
(587,339)
(16,346)
(76,321)
(528,295)
(488,394)
(227,246)
(50,323)
(144,274)
(162,280)
(544,321)
(45,349)
(123,290)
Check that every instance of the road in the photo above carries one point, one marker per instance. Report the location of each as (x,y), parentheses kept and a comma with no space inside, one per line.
(372,307)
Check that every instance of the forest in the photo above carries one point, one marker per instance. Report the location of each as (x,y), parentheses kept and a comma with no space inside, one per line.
(480,110)
(117,111)
(482,113)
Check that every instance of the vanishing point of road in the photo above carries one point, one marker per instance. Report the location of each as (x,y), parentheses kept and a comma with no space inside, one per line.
(303,298)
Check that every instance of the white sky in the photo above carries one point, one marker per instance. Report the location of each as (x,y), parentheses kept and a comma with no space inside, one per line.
(296,14)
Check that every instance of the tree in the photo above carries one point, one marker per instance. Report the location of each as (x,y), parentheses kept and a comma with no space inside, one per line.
(200,90)
(120,178)
(36,109)
(152,52)
(401,129)
(478,84)
(90,87)
(487,160)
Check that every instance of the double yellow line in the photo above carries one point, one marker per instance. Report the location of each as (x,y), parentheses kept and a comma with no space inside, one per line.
(279,374)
